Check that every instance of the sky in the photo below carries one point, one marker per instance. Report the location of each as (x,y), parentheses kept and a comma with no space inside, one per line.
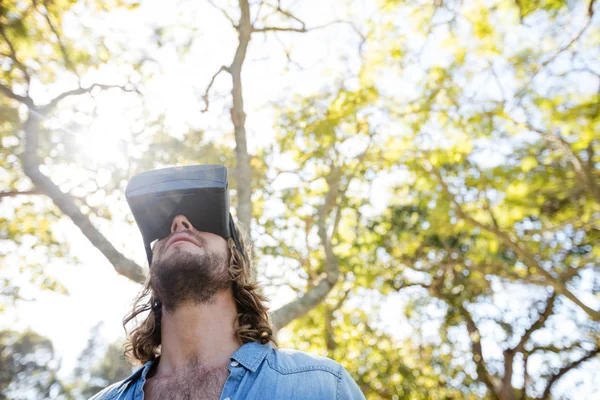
(96,292)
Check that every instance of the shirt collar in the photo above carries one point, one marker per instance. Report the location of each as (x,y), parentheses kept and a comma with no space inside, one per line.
(139,373)
(251,354)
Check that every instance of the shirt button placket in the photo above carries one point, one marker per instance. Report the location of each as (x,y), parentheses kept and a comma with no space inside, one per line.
(234,379)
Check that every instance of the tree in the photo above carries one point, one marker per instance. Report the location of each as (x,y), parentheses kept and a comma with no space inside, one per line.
(96,371)
(23,71)
(26,30)
(28,367)
(464,228)
(473,110)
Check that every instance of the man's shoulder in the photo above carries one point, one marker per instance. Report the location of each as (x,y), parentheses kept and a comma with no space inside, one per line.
(332,382)
(290,361)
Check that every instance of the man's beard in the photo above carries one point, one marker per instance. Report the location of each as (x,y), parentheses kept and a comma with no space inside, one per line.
(184,277)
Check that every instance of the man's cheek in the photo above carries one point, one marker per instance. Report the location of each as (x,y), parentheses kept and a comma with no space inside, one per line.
(161,246)
(158,250)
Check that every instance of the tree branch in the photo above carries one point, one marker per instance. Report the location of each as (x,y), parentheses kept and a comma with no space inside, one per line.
(205,97)
(331,262)
(257,16)
(287,14)
(506,392)
(574,39)
(585,176)
(482,373)
(22,99)
(523,253)
(525,377)
(583,173)
(342,300)
(229,17)
(64,202)
(565,369)
(541,320)
(13,56)
(63,49)
(79,91)
(544,64)
(304,29)
(279,29)
(555,349)
(22,193)
(287,53)
(329,331)
(296,308)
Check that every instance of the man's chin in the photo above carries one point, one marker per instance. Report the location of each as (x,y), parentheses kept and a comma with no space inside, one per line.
(188,277)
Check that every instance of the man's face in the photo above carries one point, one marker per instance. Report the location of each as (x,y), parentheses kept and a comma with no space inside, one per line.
(189,265)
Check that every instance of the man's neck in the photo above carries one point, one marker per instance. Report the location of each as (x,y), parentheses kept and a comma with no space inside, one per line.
(198,333)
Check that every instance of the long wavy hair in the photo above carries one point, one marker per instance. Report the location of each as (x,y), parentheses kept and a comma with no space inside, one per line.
(252,323)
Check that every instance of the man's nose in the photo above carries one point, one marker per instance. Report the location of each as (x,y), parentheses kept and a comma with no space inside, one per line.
(181,223)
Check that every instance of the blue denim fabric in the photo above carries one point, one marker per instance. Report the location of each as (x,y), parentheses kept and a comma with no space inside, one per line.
(260,371)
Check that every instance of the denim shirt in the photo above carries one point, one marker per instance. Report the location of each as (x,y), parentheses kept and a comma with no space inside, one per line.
(260,371)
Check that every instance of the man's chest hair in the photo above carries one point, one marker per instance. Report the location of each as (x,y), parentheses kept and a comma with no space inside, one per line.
(192,382)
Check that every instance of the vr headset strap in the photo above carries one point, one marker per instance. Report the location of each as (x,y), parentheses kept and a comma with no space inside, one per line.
(234,236)
(148,253)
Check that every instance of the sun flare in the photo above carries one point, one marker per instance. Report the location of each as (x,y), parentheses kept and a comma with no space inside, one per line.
(104,141)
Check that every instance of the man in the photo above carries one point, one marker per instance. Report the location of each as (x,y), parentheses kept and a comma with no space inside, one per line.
(208,333)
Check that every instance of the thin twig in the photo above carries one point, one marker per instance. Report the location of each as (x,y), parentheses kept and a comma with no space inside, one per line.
(212,81)
(79,91)
(62,46)
(19,193)
(300,30)
(541,320)
(13,56)
(559,52)
(566,369)
(287,14)
(224,13)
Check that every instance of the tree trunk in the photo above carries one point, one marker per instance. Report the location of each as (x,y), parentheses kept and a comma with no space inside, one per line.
(243,171)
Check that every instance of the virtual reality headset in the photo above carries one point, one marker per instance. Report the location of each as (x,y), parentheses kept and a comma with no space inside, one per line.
(199,192)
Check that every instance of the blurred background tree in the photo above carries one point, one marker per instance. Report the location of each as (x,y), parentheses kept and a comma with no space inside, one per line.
(428,210)
(98,366)
(28,366)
